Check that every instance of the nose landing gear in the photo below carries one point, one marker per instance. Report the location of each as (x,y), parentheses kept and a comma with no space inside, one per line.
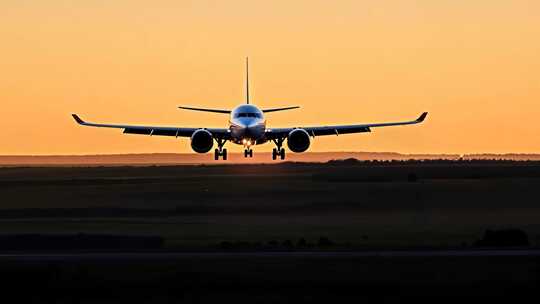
(248,152)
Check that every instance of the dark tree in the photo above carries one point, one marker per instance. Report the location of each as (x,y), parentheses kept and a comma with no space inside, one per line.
(325,242)
(504,238)
(302,243)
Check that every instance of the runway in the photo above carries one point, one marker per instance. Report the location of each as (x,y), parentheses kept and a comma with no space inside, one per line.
(161,256)
(279,276)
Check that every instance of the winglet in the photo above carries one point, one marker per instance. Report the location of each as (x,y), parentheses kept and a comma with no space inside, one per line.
(422,117)
(78,119)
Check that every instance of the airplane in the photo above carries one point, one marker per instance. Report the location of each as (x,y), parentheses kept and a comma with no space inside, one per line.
(247,127)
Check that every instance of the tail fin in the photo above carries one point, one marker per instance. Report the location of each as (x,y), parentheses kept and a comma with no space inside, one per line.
(247,80)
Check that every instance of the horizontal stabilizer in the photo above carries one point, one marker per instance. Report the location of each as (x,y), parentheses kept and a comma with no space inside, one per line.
(206,110)
(279,109)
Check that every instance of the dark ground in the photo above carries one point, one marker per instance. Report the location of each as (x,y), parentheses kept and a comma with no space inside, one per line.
(340,206)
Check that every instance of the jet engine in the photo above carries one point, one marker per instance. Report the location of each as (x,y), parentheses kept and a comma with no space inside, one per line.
(298,140)
(202,141)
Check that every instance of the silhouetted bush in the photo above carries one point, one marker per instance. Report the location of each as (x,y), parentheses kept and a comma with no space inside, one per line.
(412,177)
(239,245)
(226,245)
(273,243)
(287,244)
(302,243)
(344,162)
(324,242)
(244,245)
(503,238)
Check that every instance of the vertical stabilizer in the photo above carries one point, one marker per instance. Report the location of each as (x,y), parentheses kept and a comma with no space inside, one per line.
(247,80)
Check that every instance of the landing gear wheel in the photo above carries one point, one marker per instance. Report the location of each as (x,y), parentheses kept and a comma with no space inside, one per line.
(220,151)
(248,152)
(278,151)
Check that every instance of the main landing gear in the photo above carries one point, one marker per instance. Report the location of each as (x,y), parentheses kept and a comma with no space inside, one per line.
(279,151)
(276,153)
(220,151)
(248,153)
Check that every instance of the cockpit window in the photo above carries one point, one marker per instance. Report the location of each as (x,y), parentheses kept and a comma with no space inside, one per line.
(257,115)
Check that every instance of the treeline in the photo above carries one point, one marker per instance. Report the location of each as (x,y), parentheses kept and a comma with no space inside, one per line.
(502,238)
(300,244)
(490,161)
(42,242)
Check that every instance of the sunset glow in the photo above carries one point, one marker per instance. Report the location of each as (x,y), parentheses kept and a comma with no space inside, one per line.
(473,65)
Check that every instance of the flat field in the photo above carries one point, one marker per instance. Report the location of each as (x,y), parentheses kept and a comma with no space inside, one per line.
(354,204)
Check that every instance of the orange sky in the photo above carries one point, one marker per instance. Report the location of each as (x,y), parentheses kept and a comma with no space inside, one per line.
(474,65)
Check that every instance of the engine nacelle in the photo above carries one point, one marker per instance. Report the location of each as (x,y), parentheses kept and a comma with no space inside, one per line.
(298,140)
(202,141)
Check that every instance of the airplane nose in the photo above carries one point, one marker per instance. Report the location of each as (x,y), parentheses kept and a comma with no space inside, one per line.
(247,123)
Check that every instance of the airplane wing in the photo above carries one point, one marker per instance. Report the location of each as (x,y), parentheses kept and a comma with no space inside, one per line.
(341,129)
(154,130)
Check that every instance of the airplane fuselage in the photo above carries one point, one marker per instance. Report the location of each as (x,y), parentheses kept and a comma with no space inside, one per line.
(247,125)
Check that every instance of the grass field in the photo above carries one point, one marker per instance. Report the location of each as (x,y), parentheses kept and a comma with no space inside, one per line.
(355,204)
